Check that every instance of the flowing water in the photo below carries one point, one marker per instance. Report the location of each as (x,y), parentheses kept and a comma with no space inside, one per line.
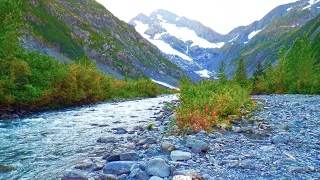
(45,145)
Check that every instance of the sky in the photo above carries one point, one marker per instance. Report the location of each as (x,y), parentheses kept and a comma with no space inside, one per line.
(220,15)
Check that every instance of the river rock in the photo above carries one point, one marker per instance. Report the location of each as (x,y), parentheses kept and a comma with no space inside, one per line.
(197,144)
(106,177)
(297,169)
(118,167)
(120,131)
(166,146)
(111,158)
(191,173)
(156,178)
(5,168)
(74,175)
(84,164)
(148,140)
(278,140)
(138,174)
(107,140)
(181,177)
(158,167)
(129,156)
(180,155)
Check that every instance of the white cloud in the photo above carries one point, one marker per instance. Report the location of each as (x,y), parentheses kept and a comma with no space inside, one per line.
(221,15)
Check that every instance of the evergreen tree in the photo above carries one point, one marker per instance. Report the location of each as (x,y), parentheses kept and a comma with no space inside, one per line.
(221,72)
(240,75)
(259,71)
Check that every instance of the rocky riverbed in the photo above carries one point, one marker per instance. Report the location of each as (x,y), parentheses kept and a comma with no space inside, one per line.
(280,141)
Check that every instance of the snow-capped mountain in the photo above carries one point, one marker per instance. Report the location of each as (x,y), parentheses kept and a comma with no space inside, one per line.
(187,42)
(199,50)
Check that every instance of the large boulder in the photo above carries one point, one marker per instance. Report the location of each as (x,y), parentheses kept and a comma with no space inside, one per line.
(158,167)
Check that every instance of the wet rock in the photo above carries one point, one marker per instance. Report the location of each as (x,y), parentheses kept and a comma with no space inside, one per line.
(180,155)
(5,168)
(155,178)
(74,175)
(166,146)
(197,144)
(279,140)
(111,158)
(129,156)
(84,164)
(118,167)
(106,177)
(107,140)
(181,177)
(120,131)
(297,169)
(158,167)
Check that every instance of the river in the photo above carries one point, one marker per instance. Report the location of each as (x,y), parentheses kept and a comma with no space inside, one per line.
(46,145)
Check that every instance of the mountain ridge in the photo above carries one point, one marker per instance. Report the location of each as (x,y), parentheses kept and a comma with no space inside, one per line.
(241,42)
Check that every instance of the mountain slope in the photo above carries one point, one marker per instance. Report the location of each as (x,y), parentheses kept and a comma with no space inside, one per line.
(198,47)
(281,30)
(68,29)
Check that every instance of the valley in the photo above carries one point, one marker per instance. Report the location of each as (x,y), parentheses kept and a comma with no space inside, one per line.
(85,95)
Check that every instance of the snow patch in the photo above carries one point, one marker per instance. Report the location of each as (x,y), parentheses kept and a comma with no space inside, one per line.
(204,73)
(186,34)
(245,42)
(178,18)
(311,2)
(253,34)
(289,9)
(234,38)
(160,18)
(164,47)
(165,84)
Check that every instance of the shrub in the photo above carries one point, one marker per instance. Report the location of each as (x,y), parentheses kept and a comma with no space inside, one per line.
(208,103)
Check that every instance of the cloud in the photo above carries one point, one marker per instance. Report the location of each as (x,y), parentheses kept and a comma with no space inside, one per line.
(221,15)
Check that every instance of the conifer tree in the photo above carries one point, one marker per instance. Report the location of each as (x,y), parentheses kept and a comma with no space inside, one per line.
(240,75)
(221,72)
(259,71)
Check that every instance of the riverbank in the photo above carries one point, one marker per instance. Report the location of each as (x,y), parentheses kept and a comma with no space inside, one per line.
(280,141)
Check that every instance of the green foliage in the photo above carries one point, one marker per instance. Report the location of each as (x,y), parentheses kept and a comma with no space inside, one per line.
(240,75)
(208,103)
(297,71)
(222,72)
(29,80)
